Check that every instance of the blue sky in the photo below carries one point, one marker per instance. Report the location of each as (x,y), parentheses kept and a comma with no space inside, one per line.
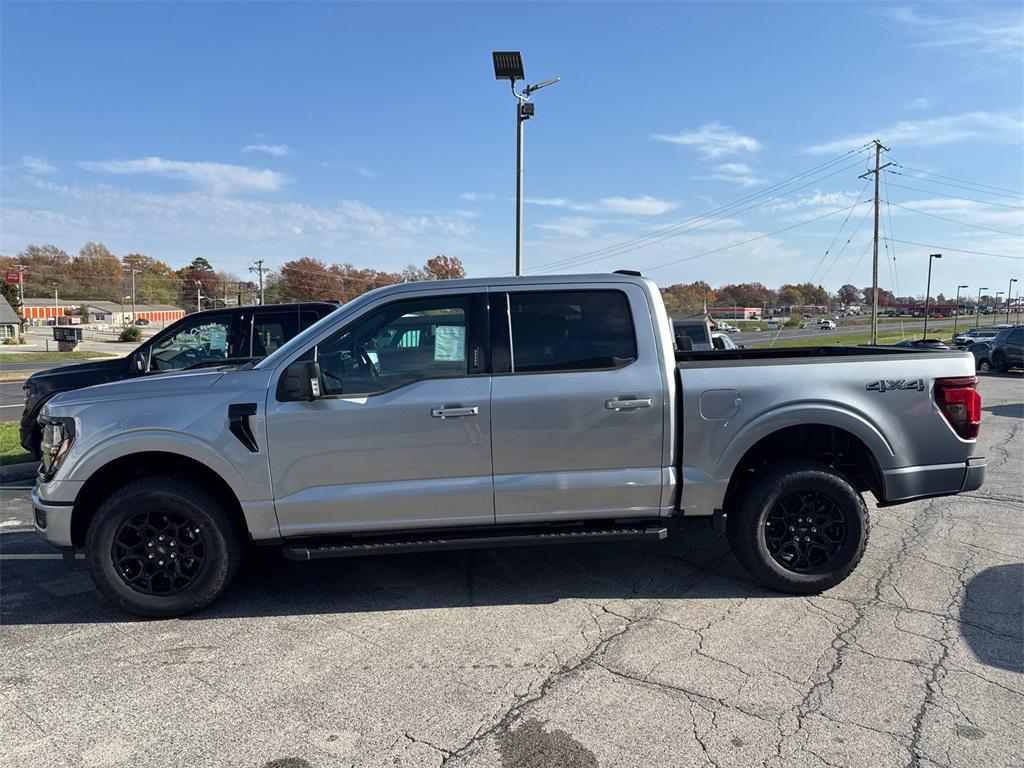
(376,134)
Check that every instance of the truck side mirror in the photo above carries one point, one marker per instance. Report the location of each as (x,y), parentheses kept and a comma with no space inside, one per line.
(684,343)
(139,362)
(301,380)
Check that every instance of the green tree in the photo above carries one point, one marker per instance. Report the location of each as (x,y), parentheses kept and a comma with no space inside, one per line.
(156,282)
(200,262)
(10,292)
(791,296)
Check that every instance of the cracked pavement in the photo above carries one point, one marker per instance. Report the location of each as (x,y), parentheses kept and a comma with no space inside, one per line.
(602,655)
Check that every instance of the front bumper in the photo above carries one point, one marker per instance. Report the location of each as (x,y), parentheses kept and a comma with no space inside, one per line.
(907,483)
(52,520)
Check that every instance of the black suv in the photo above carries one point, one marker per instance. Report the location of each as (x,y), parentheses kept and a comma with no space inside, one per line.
(1008,349)
(228,336)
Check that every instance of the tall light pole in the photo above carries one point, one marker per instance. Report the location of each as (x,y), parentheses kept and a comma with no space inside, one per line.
(956,312)
(1009,292)
(134,272)
(199,295)
(508,65)
(994,305)
(928,291)
(977,308)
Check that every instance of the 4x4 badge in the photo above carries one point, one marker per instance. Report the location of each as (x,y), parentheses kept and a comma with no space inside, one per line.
(885,385)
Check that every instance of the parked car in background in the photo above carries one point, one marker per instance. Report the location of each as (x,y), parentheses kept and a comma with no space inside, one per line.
(142,321)
(826,325)
(227,336)
(436,415)
(723,341)
(692,335)
(1008,349)
(982,351)
(975,334)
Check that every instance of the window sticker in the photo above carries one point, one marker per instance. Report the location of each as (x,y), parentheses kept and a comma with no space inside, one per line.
(450,343)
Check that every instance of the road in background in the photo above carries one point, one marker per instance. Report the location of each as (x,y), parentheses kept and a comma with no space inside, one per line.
(660,654)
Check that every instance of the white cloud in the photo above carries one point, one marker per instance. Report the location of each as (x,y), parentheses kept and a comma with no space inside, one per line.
(919,103)
(277,150)
(477,197)
(34,164)
(367,173)
(815,200)
(992,32)
(645,205)
(573,226)
(933,132)
(553,202)
(713,140)
(219,178)
(737,173)
(199,221)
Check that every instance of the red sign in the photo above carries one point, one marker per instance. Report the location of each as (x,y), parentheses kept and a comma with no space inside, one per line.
(12,276)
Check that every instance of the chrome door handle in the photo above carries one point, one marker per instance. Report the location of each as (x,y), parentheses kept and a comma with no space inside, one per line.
(447,412)
(628,404)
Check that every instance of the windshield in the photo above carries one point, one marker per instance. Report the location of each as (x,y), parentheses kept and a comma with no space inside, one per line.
(300,341)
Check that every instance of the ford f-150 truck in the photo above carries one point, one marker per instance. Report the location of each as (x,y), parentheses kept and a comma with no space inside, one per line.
(497,412)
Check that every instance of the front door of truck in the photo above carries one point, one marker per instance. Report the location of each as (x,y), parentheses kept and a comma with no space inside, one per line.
(400,434)
(578,405)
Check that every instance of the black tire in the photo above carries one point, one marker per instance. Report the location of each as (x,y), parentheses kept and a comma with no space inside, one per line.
(999,361)
(984,366)
(172,516)
(756,518)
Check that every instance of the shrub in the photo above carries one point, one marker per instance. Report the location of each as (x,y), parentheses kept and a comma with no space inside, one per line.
(130,333)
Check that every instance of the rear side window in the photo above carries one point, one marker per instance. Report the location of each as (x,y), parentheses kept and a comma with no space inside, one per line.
(570,331)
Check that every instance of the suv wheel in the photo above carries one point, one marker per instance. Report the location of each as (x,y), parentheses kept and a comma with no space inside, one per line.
(999,361)
(799,528)
(162,546)
(984,366)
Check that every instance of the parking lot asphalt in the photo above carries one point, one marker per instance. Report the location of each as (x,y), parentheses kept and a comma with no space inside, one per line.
(659,654)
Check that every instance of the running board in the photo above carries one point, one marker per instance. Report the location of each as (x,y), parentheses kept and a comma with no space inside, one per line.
(405,543)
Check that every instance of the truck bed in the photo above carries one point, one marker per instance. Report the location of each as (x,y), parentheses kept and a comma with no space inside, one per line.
(806,353)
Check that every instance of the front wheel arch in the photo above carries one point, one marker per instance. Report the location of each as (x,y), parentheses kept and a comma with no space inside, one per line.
(119,472)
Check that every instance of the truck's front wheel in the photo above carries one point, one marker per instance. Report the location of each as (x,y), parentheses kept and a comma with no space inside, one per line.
(799,528)
(162,546)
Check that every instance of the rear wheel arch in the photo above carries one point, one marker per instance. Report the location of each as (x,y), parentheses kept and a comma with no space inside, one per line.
(827,444)
(119,472)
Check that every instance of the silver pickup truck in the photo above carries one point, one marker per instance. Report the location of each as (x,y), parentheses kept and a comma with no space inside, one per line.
(497,412)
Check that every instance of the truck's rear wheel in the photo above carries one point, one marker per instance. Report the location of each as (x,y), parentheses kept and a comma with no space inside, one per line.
(800,527)
(162,546)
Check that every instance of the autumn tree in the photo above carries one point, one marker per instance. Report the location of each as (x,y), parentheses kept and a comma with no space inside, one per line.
(848,294)
(307,279)
(790,296)
(95,273)
(687,299)
(745,295)
(156,282)
(444,268)
(45,265)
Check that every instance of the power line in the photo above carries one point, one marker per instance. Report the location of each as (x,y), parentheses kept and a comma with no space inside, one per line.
(752,239)
(863,253)
(841,251)
(707,218)
(960,197)
(1012,192)
(960,250)
(954,221)
(838,233)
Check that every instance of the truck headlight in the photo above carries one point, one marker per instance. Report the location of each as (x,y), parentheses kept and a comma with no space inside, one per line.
(58,436)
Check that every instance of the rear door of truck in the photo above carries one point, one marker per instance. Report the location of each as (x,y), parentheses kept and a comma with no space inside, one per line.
(577,404)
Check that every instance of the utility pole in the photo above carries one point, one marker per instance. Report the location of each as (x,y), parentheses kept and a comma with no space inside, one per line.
(260,269)
(134,272)
(874,260)
(928,291)
(977,309)
(21,283)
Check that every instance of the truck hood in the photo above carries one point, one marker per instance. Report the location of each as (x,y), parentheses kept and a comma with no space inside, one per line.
(77,376)
(161,386)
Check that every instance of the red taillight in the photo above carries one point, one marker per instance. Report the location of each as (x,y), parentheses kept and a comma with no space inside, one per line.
(960,403)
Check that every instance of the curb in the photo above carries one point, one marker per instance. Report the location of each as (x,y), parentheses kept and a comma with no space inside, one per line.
(14,472)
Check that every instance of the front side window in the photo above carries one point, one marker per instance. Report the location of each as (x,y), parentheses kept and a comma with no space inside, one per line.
(570,331)
(204,341)
(396,345)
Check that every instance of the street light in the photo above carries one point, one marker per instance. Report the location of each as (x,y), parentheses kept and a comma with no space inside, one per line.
(928,291)
(977,308)
(994,305)
(508,65)
(1009,292)
(956,312)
